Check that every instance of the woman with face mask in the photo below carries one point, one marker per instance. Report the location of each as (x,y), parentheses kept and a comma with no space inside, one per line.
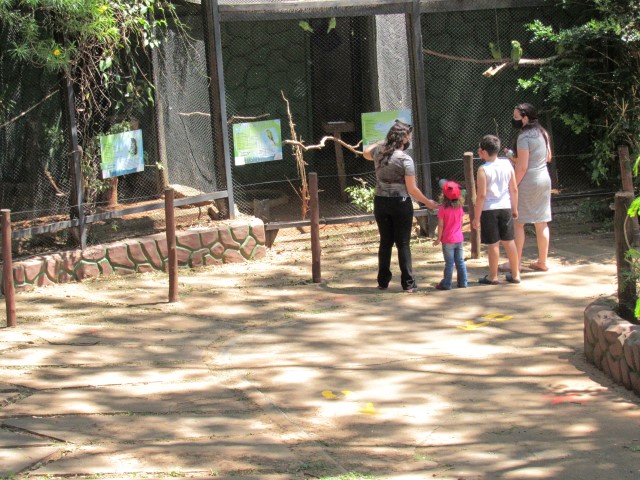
(392,205)
(533,152)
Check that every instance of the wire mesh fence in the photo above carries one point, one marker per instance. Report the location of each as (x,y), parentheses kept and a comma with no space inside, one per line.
(34,179)
(37,173)
(320,73)
(464,103)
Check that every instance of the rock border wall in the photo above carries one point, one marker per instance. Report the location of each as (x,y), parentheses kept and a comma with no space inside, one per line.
(225,242)
(612,344)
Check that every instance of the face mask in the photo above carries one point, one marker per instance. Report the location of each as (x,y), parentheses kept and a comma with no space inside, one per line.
(516,123)
(405,145)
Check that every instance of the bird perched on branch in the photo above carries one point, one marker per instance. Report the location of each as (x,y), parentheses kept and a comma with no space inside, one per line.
(332,24)
(516,52)
(305,26)
(495,51)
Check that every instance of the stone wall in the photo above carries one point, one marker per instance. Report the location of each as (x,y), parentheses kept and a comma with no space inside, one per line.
(612,344)
(234,241)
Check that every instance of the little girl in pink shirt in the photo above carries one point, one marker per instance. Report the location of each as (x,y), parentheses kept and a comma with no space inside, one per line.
(450,214)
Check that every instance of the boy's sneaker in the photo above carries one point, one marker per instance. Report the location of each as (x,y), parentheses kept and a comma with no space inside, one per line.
(411,290)
(439,286)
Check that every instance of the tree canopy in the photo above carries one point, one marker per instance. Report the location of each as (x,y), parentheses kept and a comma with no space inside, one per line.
(96,43)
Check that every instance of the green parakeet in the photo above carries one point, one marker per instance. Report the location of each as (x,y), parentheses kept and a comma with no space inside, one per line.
(270,135)
(305,26)
(332,24)
(516,52)
(495,51)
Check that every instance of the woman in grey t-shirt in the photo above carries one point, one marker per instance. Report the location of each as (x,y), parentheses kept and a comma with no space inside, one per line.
(392,205)
(534,183)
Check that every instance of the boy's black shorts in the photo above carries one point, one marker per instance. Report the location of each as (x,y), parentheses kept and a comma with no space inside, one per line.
(496,225)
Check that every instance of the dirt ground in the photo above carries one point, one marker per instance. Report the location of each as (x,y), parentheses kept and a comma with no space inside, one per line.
(257,373)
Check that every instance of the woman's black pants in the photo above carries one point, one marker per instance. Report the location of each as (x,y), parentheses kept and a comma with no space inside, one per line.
(394,216)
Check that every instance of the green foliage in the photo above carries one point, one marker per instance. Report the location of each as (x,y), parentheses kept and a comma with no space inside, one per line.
(593,85)
(97,44)
(597,211)
(362,196)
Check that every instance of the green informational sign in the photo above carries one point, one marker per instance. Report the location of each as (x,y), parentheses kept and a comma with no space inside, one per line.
(256,142)
(121,153)
(376,125)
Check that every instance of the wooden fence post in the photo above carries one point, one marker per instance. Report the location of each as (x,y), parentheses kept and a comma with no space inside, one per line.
(470,183)
(7,269)
(171,243)
(625,168)
(627,296)
(314,217)
(626,176)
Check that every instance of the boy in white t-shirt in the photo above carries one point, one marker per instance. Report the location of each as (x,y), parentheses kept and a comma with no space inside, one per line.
(496,208)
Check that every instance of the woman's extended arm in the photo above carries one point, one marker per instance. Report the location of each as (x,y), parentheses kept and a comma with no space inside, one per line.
(368,152)
(414,191)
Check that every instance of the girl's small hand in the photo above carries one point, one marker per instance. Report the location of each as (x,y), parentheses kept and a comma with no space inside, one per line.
(436,242)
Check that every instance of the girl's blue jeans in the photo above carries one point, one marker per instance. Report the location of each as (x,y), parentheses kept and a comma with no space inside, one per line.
(454,256)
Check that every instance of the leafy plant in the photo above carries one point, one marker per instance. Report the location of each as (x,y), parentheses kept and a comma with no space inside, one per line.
(362,196)
(633,255)
(594,210)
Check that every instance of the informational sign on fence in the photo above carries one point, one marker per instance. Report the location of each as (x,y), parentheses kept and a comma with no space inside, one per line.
(121,153)
(255,142)
(375,125)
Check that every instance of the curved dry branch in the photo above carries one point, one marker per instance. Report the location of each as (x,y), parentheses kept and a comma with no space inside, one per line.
(322,143)
(22,114)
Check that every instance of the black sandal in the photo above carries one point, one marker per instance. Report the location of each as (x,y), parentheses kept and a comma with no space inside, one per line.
(485,281)
(510,278)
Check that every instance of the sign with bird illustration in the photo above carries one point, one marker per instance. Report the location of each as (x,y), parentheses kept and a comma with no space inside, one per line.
(375,125)
(255,142)
(121,153)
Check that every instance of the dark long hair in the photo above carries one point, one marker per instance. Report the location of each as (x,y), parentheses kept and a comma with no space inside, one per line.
(529,111)
(394,140)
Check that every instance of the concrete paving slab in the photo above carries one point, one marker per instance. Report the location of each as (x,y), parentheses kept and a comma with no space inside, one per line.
(195,396)
(11,439)
(62,377)
(124,336)
(479,383)
(214,457)
(92,355)
(14,460)
(136,428)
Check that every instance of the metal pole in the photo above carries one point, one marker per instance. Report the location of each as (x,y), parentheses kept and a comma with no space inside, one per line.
(218,105)
(171,244)
(419,104)
(76,159)
(7,269)
(470,183)
(314,216)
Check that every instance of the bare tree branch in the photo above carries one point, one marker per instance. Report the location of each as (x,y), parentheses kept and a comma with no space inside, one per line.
(29,109)
(322,144)
(231,120)
(507,61)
